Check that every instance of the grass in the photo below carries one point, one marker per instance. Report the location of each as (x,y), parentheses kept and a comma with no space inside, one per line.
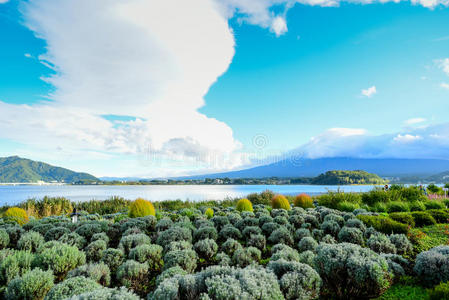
(405,292)
(430,236)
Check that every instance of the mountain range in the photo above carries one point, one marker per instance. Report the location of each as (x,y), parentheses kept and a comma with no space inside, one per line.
(384,167)
(14,169)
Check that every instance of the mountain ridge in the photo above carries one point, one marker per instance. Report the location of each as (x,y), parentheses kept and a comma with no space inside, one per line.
(14,169)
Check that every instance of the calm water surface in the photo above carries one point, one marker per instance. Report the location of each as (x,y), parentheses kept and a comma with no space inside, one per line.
(15,194)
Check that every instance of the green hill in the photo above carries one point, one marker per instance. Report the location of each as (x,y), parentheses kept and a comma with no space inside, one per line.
(347,177)
(14,169)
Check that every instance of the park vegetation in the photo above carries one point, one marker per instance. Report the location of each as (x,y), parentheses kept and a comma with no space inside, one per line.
(381,244)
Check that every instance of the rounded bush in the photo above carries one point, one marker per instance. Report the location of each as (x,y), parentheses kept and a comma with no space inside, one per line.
(440,215)
(397,206)
(258,241)
(141,208)
(206,232)
(181,245)
(328,239)
(106,294)
(284,252)
(307,243)
(307,257)
(269,227)
(281,236)
(434,204)
(423,218)
(55,233)
(433,266)
(174,234)
(163,224)
(151,254)
(245,256)
(417,206)
(303,283)
(221,221)
(113,258)
(280,202)
(347,206)
(351,235)
(72,286)
(100,236)
(403,217)
(16,214)
(30,241)
(34,284)
(304,201)
(206,248)
(73,239)
(244,205)
(169,273)
(60,258)
(440,292)
(229,232)
(251,230)
(330,227)
(99,272)
(402,244)
(381,244)
(350,271)
(94,250)
(134,275)
(186,259)
(15,264)
(230,246)
(4,239)
(209,213)
(130,241)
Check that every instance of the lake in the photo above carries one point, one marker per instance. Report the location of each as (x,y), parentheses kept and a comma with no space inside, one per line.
(14,194)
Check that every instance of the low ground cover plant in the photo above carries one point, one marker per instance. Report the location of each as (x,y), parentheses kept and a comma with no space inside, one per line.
(263,247)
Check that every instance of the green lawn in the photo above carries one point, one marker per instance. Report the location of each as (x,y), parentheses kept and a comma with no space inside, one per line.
(404,292)
(430,236)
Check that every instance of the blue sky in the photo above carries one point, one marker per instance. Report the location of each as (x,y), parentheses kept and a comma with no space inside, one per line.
(132,94)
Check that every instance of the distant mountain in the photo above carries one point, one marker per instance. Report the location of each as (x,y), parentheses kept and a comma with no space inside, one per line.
(439,178)
(14,169)
(347,177)
(384,167)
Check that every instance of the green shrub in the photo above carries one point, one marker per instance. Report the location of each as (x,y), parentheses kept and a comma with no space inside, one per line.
(14,232)
(244,205)
(95,249)
(174,234)
(280,202)
(303,283)
(60,258)
(380,207)
(307,244)
(280,236)
(417,206)
(113,258)
(330,227)
(380,243)
(434,204)
(72,286)
(229,232)
(206,248)
(397,206)
(383,224)
(423,218)
(30,241)
(245,256)
(99,272)
(332,199)
(100,236)
(402,244)
(350,271)
(186,259)
(440,215)
(304,201)
(351,235)
(432,266)
(170,272)
(73,239)
(141,208)
(403,217)
(263,198)
(33,285)
(15,264)
(230,246)
(206,232)
(375,196)
(134,275)
(440,292)
(4,239)
(130,241)
(258,241)
(55,233)
(106,294)
(209,213)
(347,206)
(150,254)
(16,214)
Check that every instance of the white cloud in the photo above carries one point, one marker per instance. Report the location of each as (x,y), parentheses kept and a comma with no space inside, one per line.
(445,85)
(279,26)
(414,121)
(3,1)
(369,92)
(426,142)
(406,138)
(444,65)
(27,55)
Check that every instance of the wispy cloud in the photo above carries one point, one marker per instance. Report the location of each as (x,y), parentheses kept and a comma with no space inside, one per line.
(445,85)
(369,92)
(444,65)
(414,121)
